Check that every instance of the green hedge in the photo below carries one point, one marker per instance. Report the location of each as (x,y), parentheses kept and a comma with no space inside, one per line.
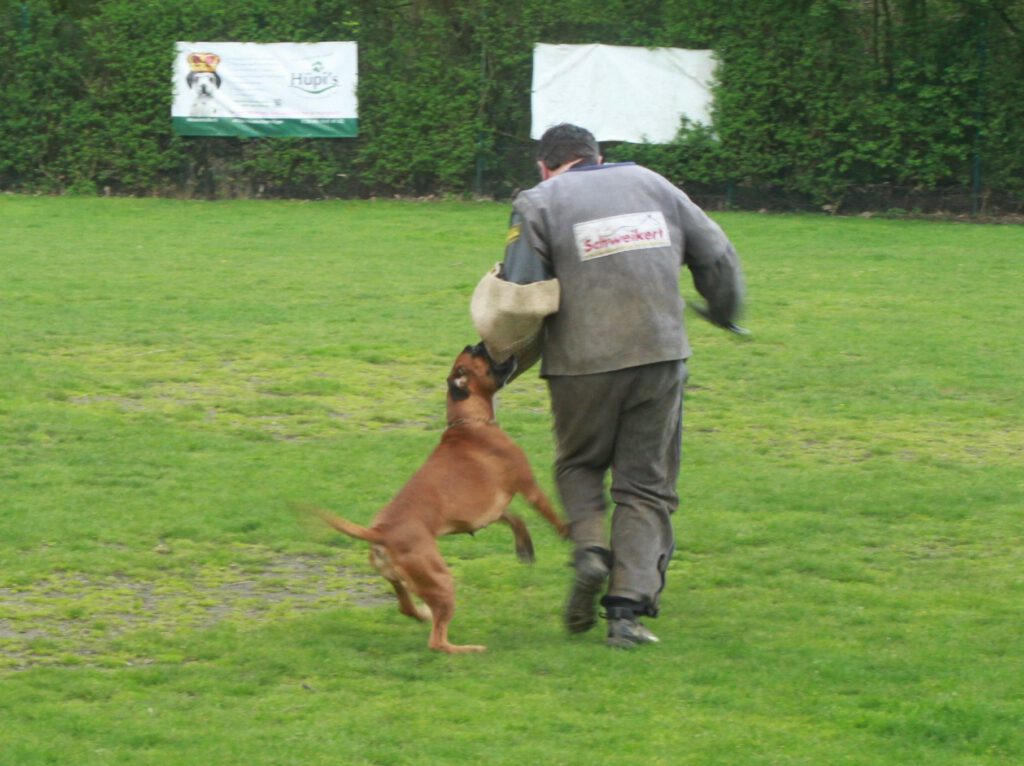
(819,102)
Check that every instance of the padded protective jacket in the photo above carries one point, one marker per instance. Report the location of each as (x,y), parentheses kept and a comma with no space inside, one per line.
(616,237)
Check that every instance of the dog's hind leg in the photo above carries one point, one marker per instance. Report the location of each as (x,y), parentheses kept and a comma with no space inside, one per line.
(428,577)
(524,545)
(382,563)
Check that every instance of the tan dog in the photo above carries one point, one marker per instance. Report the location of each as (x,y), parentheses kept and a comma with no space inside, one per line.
(466,484)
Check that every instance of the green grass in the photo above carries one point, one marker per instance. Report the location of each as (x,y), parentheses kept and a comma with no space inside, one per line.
(846,590)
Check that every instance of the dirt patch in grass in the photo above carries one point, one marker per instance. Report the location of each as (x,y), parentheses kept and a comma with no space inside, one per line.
(75,619)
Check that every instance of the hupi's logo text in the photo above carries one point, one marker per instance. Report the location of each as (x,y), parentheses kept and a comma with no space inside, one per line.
(315,81)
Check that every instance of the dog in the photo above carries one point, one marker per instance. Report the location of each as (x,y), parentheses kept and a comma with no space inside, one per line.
(466,484)
(204,84)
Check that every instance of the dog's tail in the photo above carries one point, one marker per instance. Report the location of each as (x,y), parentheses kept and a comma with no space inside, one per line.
(346,526)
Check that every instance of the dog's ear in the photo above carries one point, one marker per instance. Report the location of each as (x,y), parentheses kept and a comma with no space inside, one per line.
(458,384)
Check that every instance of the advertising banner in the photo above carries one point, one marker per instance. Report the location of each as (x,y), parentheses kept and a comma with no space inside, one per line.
(265,89)
(621,93)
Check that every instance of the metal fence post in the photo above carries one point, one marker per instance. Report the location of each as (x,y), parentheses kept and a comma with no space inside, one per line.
(979,110)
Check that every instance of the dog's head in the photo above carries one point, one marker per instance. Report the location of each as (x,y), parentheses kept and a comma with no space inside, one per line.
(474,372)
(203,83)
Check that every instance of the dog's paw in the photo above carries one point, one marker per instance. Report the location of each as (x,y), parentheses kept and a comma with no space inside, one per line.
(460,649)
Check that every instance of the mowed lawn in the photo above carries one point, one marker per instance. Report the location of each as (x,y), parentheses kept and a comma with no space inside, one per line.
(847,588)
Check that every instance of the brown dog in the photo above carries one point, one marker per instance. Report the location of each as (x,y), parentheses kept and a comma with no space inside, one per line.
(466,484)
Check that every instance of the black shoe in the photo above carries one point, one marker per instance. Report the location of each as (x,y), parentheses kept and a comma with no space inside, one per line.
(592,567)
(626,633)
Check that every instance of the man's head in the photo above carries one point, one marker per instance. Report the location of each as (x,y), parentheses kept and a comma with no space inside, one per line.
(566,145)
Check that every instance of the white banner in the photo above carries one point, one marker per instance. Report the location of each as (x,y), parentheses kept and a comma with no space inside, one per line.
(272,89)
(621,93)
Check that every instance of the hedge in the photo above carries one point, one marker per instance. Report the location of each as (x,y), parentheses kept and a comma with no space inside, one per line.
(819,103)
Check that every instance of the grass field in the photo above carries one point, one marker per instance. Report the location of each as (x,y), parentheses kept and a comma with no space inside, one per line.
(847,587)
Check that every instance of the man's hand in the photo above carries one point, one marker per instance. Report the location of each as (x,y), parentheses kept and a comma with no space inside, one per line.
(703,312)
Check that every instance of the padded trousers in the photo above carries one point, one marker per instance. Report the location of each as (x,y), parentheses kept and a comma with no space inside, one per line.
(628,422)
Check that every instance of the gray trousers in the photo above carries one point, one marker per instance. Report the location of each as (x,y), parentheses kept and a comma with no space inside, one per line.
(628,421)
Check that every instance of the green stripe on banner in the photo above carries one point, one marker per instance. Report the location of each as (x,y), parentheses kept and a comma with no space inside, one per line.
(240,127)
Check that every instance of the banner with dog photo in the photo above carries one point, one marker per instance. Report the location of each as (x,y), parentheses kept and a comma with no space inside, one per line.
(252,90)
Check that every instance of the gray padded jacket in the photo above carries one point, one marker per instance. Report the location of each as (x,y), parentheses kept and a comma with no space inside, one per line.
(616,237)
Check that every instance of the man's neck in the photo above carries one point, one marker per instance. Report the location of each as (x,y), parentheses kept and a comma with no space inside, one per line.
(546,172)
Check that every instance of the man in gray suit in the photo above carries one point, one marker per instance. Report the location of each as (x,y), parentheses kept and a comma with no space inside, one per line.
(616,236)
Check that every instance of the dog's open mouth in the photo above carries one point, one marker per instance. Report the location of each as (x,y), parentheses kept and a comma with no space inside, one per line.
(501,372)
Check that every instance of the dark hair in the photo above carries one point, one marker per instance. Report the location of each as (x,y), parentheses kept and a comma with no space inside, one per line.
(565,143)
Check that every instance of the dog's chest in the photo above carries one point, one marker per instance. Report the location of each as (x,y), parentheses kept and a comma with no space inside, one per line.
(466,518)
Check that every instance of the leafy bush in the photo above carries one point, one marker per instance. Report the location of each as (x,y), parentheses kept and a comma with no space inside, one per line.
(817,101)
(39,83)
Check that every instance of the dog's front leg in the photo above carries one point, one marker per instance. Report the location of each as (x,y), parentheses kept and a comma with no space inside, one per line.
(535,496)
(524,544)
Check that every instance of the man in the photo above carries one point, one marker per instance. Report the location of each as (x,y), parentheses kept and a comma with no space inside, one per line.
(614,356)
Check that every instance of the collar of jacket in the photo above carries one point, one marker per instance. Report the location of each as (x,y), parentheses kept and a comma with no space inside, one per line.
(595,166)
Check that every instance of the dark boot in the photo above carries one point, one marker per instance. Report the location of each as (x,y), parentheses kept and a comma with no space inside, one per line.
(625,631)
(592,566)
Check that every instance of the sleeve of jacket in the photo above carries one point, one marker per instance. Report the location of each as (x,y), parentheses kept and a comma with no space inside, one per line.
(526,258)
(511,301)
(713,264)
